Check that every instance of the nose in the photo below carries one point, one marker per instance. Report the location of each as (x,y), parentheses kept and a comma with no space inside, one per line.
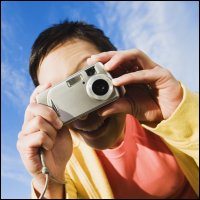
(83,117)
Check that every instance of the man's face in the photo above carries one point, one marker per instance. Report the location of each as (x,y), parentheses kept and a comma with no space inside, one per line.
(98,132)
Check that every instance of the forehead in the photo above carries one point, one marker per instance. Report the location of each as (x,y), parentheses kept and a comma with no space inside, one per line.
(65,60)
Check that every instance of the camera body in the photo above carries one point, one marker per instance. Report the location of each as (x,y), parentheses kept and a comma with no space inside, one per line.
(81,93)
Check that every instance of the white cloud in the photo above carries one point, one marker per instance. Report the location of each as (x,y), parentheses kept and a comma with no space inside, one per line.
(164,30)
(12,168)
(20,177)
(15,84)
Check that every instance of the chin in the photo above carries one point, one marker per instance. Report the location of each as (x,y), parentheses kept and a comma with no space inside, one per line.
(107,136)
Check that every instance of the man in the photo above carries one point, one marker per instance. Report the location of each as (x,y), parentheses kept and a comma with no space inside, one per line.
(108,154)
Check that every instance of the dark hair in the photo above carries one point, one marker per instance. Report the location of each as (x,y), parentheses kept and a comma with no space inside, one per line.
(58,34)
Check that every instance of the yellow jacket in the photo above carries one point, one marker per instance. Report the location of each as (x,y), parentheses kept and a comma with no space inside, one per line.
(85,175)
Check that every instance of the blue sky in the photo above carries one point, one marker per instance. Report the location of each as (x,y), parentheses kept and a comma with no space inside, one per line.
(167,31)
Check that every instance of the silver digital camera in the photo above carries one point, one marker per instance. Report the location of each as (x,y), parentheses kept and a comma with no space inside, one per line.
(81,93)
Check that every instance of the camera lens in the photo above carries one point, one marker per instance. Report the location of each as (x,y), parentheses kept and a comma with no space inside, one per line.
(100,87)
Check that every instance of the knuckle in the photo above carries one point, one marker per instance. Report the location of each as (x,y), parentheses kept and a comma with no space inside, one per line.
(39,121)
(30,107)
(167,72)
(42,138)
(53,133)
(51,114)
(32,97)
(144,74)
(97,56)
(136,51)
(106,53)
(156,68)
(50,144)
(119,56)
(110,52)
(129,76)
(45,141)
(103,54)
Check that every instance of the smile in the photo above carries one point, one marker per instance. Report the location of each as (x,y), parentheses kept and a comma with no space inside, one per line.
(96,130)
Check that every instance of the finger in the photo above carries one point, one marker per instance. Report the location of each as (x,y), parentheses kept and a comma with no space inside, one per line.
(39,124)
(120,106)
(34,140)
(142,76)
(38,90)
(101,57)
(46,112)
(124,56)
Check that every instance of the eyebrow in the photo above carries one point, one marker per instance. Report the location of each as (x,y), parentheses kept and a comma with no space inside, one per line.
(79,65)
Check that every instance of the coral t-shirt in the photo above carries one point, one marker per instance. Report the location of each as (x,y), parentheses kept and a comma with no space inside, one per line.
(142,166)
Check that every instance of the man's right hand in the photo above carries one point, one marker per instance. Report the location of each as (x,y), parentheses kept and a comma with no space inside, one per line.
(43,128)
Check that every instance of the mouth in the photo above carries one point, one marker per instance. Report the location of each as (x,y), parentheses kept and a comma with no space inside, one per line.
(94,131)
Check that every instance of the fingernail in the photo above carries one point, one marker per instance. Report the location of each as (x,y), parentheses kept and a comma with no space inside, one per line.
(115,81)
(90,61)
(93,57)
(59,123)
(109,65)
(46,85)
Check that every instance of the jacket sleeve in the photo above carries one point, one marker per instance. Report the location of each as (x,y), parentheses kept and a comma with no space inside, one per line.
(70,189)
(181,129)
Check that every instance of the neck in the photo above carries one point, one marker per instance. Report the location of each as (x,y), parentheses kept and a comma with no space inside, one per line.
(119,140)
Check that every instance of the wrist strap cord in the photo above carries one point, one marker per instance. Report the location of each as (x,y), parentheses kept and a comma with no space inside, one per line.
(45,171)
(47,174)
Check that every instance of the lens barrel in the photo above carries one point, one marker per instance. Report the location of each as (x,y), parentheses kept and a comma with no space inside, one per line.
(100,87)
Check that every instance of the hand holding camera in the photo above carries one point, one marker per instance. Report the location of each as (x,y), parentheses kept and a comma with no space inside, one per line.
(149,87)
(42,128)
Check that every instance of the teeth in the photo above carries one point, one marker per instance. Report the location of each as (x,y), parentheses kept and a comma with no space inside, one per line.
(93,128)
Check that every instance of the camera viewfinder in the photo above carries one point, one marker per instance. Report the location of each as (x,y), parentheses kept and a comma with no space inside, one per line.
(73,80)
(91,71)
